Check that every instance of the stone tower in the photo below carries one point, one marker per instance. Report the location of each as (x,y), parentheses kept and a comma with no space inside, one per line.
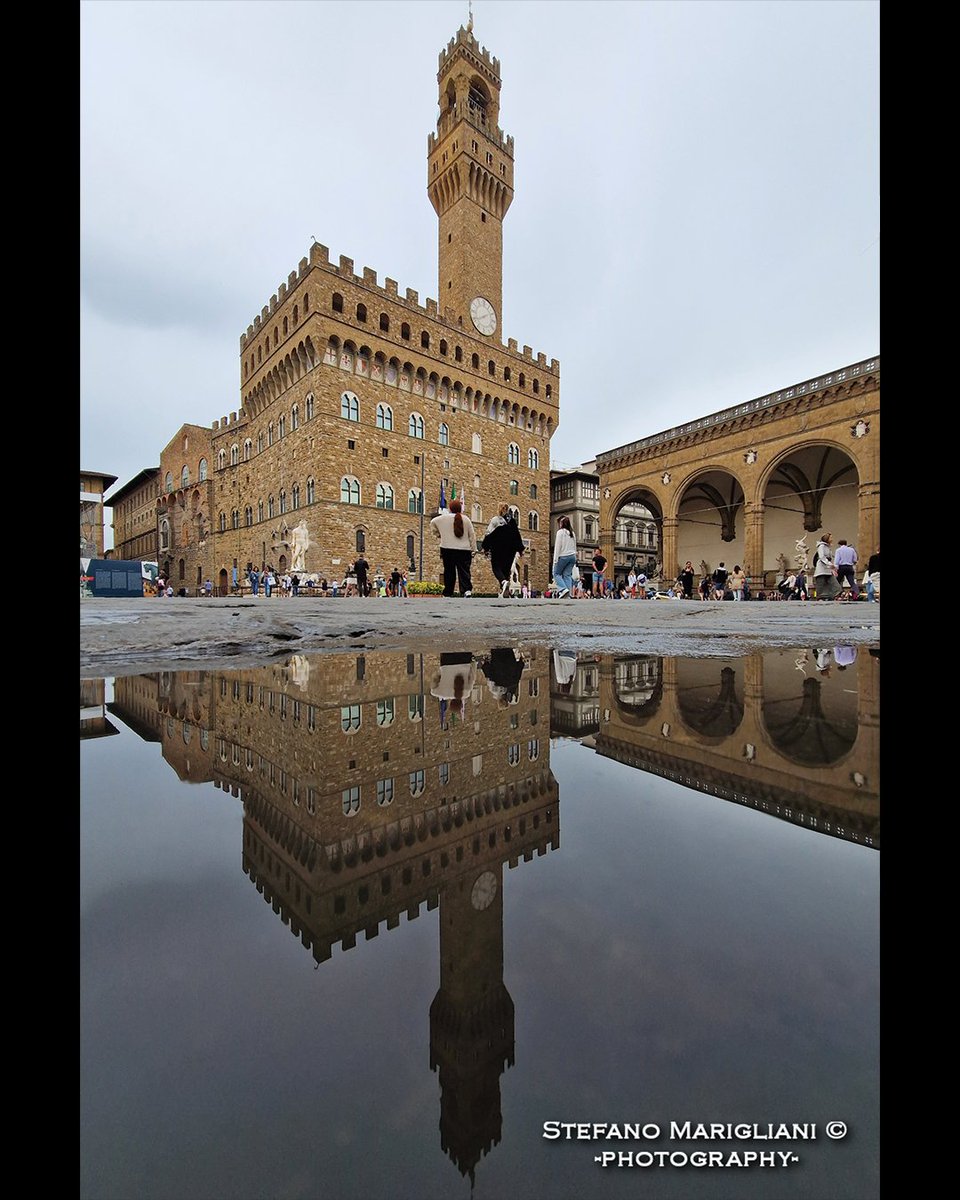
(470,184)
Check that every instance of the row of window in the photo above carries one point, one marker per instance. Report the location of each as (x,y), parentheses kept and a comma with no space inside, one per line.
(386,788)
(349,411)
(185,476)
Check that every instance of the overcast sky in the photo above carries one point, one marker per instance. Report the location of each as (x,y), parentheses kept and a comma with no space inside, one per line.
(696,219)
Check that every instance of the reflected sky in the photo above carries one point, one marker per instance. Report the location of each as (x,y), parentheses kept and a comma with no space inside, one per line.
(333,943)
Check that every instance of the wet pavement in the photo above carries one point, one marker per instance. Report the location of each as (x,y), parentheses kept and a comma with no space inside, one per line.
(123,636)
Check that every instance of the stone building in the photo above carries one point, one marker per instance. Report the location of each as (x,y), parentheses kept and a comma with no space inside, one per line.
(358,403)
(135,517)
(93,485)
(184,503)
(576,494)
(756,484)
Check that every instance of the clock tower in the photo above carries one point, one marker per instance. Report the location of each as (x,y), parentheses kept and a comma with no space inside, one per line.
(470,184)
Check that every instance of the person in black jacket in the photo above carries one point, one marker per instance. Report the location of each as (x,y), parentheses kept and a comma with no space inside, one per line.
(503,543)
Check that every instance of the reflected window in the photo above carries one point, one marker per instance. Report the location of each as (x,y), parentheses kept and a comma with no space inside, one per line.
(350,718)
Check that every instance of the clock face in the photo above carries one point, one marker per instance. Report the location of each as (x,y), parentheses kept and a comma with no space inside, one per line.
(484,891)
(482,315)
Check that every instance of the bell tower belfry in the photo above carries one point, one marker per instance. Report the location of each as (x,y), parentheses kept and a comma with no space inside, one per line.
(470,184)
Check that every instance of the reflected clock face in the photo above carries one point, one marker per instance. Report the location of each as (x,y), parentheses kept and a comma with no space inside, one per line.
(483,315)
(484,891)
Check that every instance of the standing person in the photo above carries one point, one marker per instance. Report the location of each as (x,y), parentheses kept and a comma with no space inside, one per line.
(873,576)
(255,581)
(824,571)
(737,580)
(706,586)
(564,557)
(503,543)
(361,567)
(458,544)
(350,581)
(845,560)
(395,578)
(686,580)
(268,582)
(632,582)
(403,583)
(599,565)
(719,582)
(295,585)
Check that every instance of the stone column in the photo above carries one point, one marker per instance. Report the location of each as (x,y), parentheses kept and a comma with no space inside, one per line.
(753,564)
(868,523)
(669,539)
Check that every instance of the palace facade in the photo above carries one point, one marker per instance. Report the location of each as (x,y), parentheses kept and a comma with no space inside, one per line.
(360,406)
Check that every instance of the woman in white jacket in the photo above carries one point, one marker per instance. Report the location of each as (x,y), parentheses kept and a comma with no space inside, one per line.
(458,544)
(564,557)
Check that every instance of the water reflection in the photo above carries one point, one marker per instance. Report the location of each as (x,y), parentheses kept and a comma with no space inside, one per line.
(794,734)
(377,786)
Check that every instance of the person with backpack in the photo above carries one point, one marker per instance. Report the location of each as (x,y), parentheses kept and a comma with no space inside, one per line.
(719,582)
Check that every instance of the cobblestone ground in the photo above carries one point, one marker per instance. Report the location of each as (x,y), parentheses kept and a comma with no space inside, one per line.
(123,637)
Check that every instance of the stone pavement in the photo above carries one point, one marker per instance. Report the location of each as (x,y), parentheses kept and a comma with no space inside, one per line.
(125,637)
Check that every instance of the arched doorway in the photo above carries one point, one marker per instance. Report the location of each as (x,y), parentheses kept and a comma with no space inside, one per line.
(808,491)
(710,697)
(223,581)
(710,527)
(637,536)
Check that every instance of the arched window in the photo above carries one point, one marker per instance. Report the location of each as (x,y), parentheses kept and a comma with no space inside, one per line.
(491,367)
(384,323)
(259,510)
(410,547)
(443,435)
(533,521)
(522,380)
(202,474)
(295,417)
(295,495)
(310,406)
(350,718)
(477,514)
(417,783)
(164,535)
(384,416)
(234,454)
(185,477)
(514,487)
(476,444)
(513,454)
(247,449)
(458,354)
(362,313)
(306,302)
(415,425)
(386,711)
(350,406)
(361,541)
(282,426)
(270,434)
(507,374)
(283,500)
(384,792)
(515,513)
(533,459)
(271,507)
(248,516)
(223,522)
(415,500)
(235,518)
(405,331)
(533,491)
(475,361)
(337,302)
(221,463)
(384,495)
(444,348)
(260,442)
(286,330)
(349,490)
(311,490)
